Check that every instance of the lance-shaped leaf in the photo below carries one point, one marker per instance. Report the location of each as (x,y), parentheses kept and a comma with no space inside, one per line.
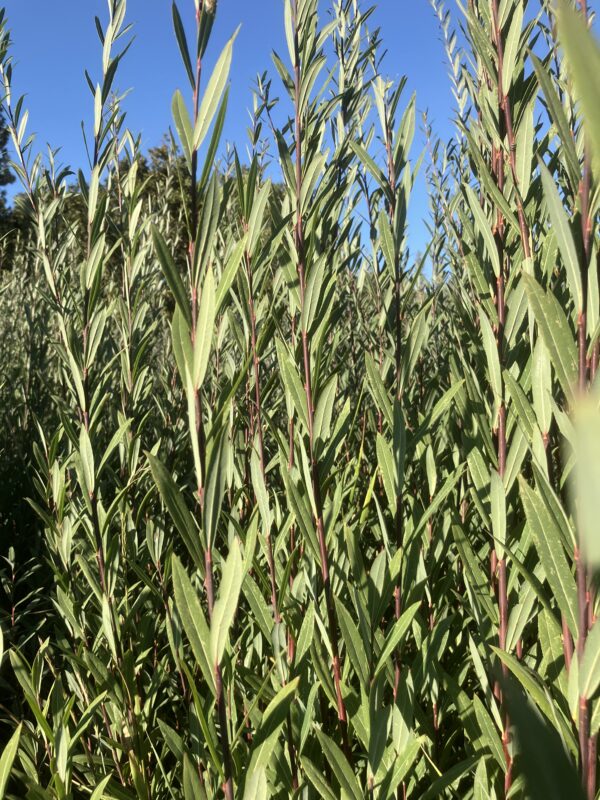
(193,621)
(255,222)
(371,166)
(377,388)
(324,410)
(483,228)
(493,362)
(180,513)
(293,384)
(182,344)
(256,787)
(524,154)
(541,386)
(260,489)
(417,339)
(213,93)
(528,679)
(273,718)
(394,637)
(354,644)
(568,150)
(549,545)
(171,274)
(556,332)
(204,329)
(182,42)
(520,403)
(389,473)
(564,236)
(585,483)
(192,786)
(401,766)
(489,731)
(99,791)
(488,182)
(449,778)
(520,616)
(340,767)
(439,499)
(229,272)
(183,124)
(215,139)
(226,605)
(589,670)
(215,485)
(387,242)
(7,759)
(511,47)
(315,776)
(86,455)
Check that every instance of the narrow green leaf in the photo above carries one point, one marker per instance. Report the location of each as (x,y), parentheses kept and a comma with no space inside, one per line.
(293,384)
(482,226)
(340,767)
(557,113)
(182,42)
(511,48)
(180,513)
(99,791)
(256,787)
(371,166)
(385,460)
(193,621)
(213,93)
(226,605)
(273,719)
(550,549)
(315,776)
(7,758)
(171,274)
(354,644)
(183,124)
(564,237)
(589,671)
(204,329)
(394,637)
(556,332)
(490,347)
(585,483)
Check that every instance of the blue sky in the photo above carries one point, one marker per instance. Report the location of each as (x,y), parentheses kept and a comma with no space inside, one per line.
(55,40)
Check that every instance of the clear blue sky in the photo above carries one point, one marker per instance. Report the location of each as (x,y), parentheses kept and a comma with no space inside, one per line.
(55,40)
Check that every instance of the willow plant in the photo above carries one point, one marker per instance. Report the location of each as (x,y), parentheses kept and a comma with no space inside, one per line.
(299,512)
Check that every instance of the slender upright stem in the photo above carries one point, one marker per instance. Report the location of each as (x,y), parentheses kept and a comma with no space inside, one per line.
(506,131)
(200,434)
(587,744)
(220,699)
(398,518)
(261,459)
(314,466)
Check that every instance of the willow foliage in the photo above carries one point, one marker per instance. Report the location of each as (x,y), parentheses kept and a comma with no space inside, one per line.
(286,510)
